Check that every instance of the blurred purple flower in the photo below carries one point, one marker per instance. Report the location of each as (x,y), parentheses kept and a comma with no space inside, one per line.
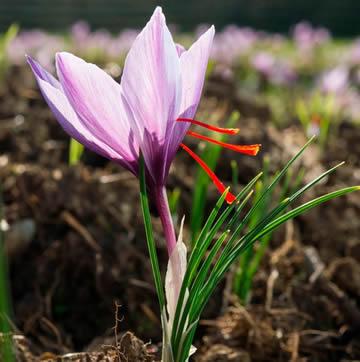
(121,44)
(284,73)
(232,43)
(80,31)
(263,63)
(335,81)
(37,44)
(276,71)
(355,53)
(100,42)
(307,37)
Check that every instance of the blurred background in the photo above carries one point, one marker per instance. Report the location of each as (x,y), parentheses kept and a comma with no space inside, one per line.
(340,17)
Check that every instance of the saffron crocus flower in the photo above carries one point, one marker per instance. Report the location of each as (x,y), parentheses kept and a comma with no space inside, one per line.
(274,70)
(335,81)
(233,43)
(162,85)
(264,63)
(151,110)
(354,54)
(307,37)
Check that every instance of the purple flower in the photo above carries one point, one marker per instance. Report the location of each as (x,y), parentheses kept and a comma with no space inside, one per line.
(122,43)
(162,82)
(100,43)
(80,31)
(276,71)
(158,86)
(232,43)
(36,43)
(355,53)
(151,110)
(308,37)
(335,81)
(264,63)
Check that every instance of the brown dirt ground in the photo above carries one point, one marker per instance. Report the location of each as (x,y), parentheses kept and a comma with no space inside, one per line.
(87,252)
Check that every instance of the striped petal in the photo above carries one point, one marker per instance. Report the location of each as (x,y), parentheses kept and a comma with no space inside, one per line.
(96,99)
(151,85)
(52,92)
(193,64)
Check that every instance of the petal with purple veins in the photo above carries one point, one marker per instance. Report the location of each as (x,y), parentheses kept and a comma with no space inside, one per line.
(68,119)
(151,84)
(193,63)
(96,99)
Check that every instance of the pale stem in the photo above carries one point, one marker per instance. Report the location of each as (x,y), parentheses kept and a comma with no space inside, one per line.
(162,205)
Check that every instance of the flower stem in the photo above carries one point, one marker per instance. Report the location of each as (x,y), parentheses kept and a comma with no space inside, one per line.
(162,205)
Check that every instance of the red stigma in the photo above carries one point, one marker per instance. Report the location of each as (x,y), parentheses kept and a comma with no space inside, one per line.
(251,150)
(230,131)
(230,198)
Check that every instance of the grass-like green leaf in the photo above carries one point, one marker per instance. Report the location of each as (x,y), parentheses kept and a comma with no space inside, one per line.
(76,150)
(150,236)
(214,253)
(6,351)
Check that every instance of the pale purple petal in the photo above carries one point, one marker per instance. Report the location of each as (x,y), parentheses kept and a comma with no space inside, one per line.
(68,119)
(151,84)
(180,49)
(96,99)
(41,73)
(193,63)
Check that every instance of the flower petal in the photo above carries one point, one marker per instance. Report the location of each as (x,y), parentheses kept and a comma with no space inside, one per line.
(193,63)
(180,49)
(41,73)
(175,275)
(96,99)
(151,84)
(66,116)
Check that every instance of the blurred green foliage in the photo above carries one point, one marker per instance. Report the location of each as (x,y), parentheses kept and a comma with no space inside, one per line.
(4,41)
(6,352)
(76,150)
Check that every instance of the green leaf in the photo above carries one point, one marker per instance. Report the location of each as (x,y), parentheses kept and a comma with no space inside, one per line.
(6,350)
(75,152)
(202,275)
(250,260)
(4,42)
(305,207)
(174,197)
(150,235)
(199,250)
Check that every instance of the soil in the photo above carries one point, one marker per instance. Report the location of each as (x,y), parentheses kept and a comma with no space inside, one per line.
(79,269)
